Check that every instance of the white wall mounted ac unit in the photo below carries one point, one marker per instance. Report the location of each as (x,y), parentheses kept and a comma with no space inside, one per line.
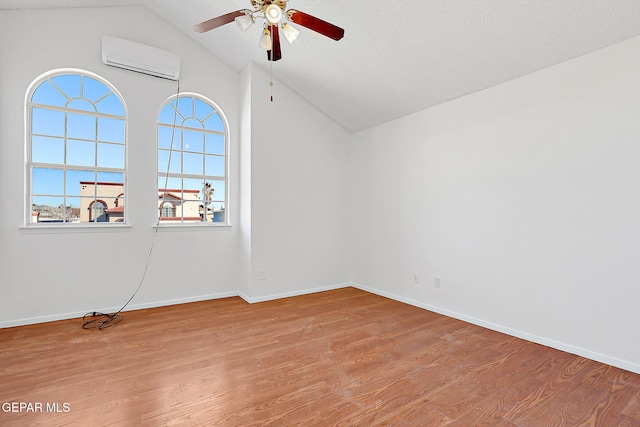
(140,58)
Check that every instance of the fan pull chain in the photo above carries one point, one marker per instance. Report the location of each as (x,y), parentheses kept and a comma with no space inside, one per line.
(271,71)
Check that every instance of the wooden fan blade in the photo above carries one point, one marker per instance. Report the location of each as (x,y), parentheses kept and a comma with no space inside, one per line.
(315,24)
(275,41)
(219,21)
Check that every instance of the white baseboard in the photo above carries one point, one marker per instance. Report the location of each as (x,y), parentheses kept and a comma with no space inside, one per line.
(79,314)
(602,358)
(252,300)
(632,367)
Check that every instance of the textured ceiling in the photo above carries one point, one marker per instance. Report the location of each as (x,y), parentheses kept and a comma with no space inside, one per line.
(398,58)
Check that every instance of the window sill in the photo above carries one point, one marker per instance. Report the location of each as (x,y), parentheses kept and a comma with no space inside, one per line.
(193,226)
(64,229)
(76,228)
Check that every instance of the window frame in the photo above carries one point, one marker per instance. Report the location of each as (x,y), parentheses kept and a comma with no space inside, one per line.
(180,221)
(30,165)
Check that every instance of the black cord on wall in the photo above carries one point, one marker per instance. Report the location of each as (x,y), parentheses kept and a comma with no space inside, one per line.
(97,320)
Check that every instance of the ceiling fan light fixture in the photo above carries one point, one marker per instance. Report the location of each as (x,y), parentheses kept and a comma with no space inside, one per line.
(273,13)
(244,22)
(265,40)
(290,32)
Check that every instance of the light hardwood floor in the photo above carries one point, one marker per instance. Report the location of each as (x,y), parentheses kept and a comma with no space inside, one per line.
(337,358)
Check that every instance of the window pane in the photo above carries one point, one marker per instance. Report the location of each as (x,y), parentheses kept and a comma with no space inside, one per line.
(170,183)
(74,203)
(214,165)
(214,144)
(47,150)
(85,207)
(92,89)
(192,123)
(195,185)
(47,181)
(193,164)
(219,214)
(111,177)
(69,84)
(219,190)
(193,141)
(185,107)
(47,209)
(111,130)
(81,153)
(166,135)
(108,192)
(80,183)
(111,156)
(111,105)
(163,161)
(39,201)
(47,122)
(214,123)
(81,126)
(81,104)
(47,94)
(191,211)
(168,115)
(202,109)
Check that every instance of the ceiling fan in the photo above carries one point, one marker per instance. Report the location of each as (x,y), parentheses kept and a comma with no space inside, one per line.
(272,11)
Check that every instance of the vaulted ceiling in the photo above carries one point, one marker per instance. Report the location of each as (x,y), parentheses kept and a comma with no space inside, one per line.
(401,57)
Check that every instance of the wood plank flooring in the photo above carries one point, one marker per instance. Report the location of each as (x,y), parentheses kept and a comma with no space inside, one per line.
(337,358)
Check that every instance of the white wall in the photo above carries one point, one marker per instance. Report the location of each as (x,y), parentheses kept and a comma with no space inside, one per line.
(298,193)
(245,179)
(3,39)
(288,201)
(523,199)
(53,275)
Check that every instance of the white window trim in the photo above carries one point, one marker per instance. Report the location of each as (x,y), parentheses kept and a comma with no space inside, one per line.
(28,224)
(98,227)
(170,225)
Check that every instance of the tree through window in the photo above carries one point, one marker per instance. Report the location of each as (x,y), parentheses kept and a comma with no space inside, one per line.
(76,149)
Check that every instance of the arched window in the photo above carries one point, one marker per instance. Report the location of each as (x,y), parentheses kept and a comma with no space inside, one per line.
(168,210)
(97,211)
(193,158)
(76,124)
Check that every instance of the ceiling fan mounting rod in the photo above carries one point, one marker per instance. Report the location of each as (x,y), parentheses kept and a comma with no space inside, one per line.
(262,4)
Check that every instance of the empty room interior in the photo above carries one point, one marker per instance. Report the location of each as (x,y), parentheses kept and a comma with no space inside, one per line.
(420,213)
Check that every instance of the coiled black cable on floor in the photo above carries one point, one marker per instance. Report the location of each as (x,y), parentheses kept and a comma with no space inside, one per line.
(95,320)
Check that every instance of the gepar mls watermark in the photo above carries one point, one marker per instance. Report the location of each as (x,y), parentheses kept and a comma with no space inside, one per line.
(32,407)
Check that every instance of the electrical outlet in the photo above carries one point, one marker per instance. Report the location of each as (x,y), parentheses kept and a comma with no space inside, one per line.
(262,274)
(416,278)
(436,283)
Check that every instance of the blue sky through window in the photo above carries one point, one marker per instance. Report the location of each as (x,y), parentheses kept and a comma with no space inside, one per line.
(77,131)
(192,148)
